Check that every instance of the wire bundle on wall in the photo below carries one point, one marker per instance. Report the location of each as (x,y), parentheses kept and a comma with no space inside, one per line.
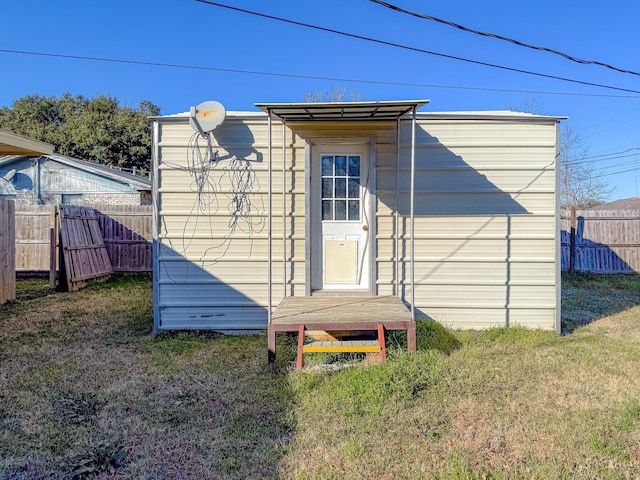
(236,180)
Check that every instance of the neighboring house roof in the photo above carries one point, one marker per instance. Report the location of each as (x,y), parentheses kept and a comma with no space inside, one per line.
(632,203)
(14,144)
(135,181)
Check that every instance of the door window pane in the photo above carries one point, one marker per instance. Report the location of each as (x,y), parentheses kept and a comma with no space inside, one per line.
(341,188)
(354,209)
(354,188)
(327,187)
(327,165)
(354,166)
(341,210)
(327,209)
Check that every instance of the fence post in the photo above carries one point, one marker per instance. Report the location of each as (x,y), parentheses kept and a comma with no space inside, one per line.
(572,241)
(53,238)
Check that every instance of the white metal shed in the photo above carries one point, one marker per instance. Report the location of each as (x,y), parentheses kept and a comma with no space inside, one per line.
(454,213)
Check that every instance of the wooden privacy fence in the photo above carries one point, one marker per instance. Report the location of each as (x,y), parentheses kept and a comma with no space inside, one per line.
(7,251)
(126,232)
(83,255)
(33,224)
(600,241)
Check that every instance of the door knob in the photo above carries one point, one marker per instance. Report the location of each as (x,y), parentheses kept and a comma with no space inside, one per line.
(365,228)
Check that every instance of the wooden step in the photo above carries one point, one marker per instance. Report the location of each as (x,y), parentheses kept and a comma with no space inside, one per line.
(349,346)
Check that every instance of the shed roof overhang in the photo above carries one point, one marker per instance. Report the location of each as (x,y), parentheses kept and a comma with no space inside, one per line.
(14,144)
(295,113)
(341,111)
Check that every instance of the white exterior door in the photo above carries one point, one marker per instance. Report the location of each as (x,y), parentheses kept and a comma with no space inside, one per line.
(340,218)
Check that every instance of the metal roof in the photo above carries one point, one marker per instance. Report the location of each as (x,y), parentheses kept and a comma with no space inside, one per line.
(14,144)
(341,111)
(137,182)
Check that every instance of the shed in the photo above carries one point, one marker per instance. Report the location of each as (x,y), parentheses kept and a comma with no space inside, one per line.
(454,214)
(59,179)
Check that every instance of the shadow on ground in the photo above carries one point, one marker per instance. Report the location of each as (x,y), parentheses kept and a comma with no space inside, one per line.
(587,297)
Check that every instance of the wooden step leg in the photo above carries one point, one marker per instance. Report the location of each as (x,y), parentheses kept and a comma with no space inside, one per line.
(300,355)
(383,349)
(411,338)
(271,344)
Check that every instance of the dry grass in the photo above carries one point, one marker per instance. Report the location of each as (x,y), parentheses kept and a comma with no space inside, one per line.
(87,392)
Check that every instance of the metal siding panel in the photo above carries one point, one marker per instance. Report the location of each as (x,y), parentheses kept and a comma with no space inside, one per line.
(466,318)
(542,318)
(485,234)
(236,247)
(213,318)
(212,264)
(498,157)
(476,273)
(476,249)
(212,295)
(469,179)
(383,132)
(470,203)
(481,133)
(176,223)
(443,226)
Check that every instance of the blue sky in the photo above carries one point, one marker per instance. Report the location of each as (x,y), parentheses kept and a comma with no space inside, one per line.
(187,32)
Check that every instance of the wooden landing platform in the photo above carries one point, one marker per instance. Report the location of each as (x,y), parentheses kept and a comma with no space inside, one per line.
(348,313)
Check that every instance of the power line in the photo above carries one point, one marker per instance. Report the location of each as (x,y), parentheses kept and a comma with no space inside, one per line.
(604,157)
(305,77)
(632,149)
(616,173)
(617,165)
(416,49)
(506,39)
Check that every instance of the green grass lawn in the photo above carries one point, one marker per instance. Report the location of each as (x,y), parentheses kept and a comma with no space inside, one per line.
(87,392)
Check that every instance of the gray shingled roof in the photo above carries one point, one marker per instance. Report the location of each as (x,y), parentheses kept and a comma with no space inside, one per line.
(632,203)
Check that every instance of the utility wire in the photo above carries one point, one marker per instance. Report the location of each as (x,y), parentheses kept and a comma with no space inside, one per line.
(632,149)
(307,77)
(604,158)
(617,165)
(506,39)
(615,173)
(416,49)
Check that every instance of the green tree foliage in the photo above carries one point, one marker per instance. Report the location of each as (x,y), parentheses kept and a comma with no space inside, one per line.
(94,129)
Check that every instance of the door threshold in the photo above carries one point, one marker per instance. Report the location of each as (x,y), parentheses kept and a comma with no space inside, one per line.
(341,293)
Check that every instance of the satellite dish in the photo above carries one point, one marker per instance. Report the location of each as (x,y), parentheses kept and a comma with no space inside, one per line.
(9,175)
(207,116)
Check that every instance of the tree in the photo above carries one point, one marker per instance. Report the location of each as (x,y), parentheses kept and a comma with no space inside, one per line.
(580,185)
(335,94)
(98,130)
